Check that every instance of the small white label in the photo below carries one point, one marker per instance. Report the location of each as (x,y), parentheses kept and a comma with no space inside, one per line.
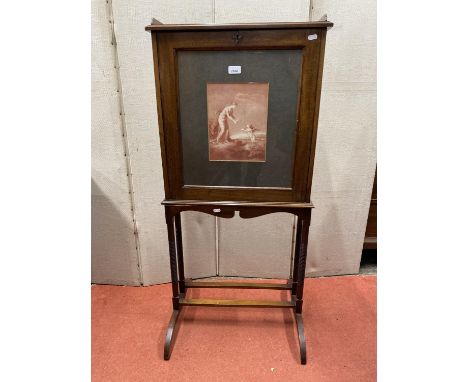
(312,37)
(234,69)
(216,209)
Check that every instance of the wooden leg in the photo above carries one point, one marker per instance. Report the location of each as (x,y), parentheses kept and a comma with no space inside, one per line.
(170,334)
(296,256)
(171,228)
(303,236)
(301,336)
(180,253)
(172,257)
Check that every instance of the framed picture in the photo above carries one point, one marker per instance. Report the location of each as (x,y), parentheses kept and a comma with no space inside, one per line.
(238,109)
(237,122)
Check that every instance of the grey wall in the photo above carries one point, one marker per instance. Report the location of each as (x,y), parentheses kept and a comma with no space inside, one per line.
(344,166)
(114,256)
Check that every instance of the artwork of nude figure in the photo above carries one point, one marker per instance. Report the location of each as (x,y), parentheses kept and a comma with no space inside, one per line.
(237,122)
(223,123)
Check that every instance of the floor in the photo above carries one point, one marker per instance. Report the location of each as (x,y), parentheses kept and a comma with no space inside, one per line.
(243,344)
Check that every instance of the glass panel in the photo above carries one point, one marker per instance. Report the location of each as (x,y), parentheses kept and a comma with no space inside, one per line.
(239,129)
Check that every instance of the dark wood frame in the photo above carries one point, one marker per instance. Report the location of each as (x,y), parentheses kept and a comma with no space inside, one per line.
(250,202)
(168,39)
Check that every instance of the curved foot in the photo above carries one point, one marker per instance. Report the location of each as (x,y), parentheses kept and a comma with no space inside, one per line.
(302,340)
(169,334)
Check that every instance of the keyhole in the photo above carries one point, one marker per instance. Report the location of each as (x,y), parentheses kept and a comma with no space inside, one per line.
(237,37)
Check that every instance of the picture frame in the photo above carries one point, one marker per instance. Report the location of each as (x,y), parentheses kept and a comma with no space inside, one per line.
(270,156)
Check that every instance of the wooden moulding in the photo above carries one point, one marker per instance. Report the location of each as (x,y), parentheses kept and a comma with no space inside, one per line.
(182,203)
(241,26)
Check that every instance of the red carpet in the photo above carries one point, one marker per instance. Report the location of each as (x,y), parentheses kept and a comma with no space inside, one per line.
(236,344)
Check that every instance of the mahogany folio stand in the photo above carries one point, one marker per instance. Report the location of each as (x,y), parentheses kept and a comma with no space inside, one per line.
(180,284)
